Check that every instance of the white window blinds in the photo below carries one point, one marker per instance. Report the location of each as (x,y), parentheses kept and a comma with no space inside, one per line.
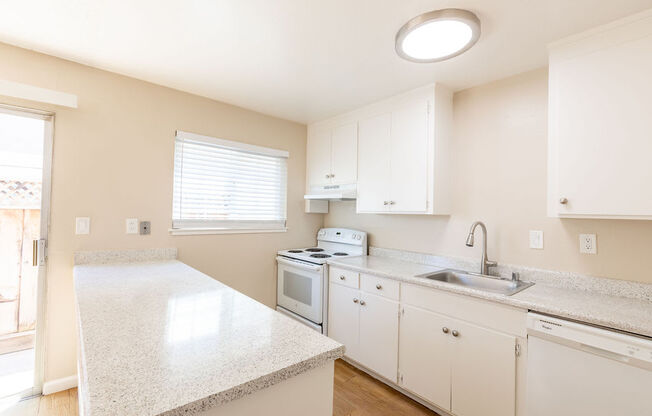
(221,184)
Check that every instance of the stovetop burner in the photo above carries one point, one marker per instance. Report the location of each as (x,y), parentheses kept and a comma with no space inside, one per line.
(340,254)
(315,249)
(295,251)
(320,255)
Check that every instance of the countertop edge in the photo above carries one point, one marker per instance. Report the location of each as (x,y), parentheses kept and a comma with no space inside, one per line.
(512,301)
(252,386)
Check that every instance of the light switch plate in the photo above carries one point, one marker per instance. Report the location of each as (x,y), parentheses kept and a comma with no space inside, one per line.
(82,225)
(536,239)
(132,225)
(588,244)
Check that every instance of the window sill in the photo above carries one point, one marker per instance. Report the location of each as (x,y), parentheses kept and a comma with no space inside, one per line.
(208,231)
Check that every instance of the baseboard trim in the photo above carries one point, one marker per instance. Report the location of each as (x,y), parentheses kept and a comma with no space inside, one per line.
(59,384)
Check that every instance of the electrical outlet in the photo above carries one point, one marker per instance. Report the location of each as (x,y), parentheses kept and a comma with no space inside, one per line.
(588,244)
(536,239)
(82,225)
(132,225)
(145,228)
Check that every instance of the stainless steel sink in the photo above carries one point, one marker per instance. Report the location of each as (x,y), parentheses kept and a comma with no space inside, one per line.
(478,281)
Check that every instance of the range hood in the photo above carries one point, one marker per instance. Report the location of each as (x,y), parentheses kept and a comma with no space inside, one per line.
(346,192)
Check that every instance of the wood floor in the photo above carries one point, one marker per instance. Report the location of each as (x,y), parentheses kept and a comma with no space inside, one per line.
(63,403)
(358,394)
(355,394)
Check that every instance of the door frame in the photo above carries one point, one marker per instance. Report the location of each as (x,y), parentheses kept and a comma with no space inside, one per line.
(46,192)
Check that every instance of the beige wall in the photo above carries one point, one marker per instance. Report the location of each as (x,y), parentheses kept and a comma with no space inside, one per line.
(499,170)
(113,159)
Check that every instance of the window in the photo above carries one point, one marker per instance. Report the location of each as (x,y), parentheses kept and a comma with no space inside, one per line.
(226,186)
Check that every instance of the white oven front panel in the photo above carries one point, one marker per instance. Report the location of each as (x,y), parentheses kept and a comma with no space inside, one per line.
(300,289)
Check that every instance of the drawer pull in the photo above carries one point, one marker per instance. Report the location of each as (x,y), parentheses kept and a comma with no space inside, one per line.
(444,330)
(455,333)
(378,286)
(355,300)
(342,277)
(362,302)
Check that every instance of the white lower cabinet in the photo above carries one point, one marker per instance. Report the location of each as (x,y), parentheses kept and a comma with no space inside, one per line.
(483,375)
(344,317)
(379,335)
(462,368)
(465,365)
(367,325)
(424,356)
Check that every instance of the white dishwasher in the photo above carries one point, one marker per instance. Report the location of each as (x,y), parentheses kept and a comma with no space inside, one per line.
(581,370)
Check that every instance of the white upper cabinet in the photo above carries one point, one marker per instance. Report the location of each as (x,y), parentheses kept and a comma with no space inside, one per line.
(373,167)
(344,154)
(403,152)
(332,155)
(319,158)
(600,139)
(395,150)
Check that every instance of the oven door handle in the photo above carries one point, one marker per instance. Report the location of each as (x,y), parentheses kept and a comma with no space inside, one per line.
(300,265)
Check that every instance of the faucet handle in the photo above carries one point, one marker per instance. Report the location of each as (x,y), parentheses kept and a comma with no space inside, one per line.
(516,276)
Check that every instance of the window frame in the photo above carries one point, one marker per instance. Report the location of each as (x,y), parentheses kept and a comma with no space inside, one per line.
(197,229)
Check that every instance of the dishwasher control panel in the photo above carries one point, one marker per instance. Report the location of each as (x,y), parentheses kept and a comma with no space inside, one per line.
(598,340)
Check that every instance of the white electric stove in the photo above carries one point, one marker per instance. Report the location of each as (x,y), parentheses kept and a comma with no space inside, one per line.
(302,290)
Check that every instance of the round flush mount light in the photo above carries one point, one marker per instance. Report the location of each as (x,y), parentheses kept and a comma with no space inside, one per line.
(438,35)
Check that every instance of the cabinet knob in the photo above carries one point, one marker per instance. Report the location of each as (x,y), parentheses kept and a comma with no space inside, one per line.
(378,286)
(563,201)
(355,300)
(444,330)
(332,175)
(328,176)
(342,277)
(362,302)
(385,202)
(392,202)
(455,333)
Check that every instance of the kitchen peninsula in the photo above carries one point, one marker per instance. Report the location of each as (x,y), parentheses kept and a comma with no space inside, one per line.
(157,337)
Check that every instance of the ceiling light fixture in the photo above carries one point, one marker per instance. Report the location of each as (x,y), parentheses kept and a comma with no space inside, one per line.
(438,35)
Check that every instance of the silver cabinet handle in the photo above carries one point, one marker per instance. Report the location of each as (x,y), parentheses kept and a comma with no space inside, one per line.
(328,176)
(355,300)
(378,286)
(563,201)
(342,277)
(392,202)
(455,333)
(362,302)
(332,175)
(385,202)
(444,330)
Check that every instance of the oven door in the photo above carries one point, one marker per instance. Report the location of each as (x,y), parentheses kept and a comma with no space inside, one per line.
(300,288)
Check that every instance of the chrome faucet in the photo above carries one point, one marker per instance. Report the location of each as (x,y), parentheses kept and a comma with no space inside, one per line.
(486,263)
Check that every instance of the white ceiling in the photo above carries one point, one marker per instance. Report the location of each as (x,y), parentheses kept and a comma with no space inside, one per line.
(302,60)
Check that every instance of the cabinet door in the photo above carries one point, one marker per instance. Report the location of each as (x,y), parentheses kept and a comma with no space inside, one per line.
(600,125)
(409,158)
(379,335)
(424,355)
(373,163)
(344,154)
(343,317)
(483,372)
(319,158)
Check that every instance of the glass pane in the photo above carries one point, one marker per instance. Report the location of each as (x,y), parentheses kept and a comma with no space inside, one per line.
(297,287)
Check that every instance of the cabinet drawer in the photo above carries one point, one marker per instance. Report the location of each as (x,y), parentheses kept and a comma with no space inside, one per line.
(485,313)
(344,277)
(380,286)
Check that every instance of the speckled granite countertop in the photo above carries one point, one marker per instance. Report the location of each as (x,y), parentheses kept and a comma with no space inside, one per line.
(622,313)
(161,338)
